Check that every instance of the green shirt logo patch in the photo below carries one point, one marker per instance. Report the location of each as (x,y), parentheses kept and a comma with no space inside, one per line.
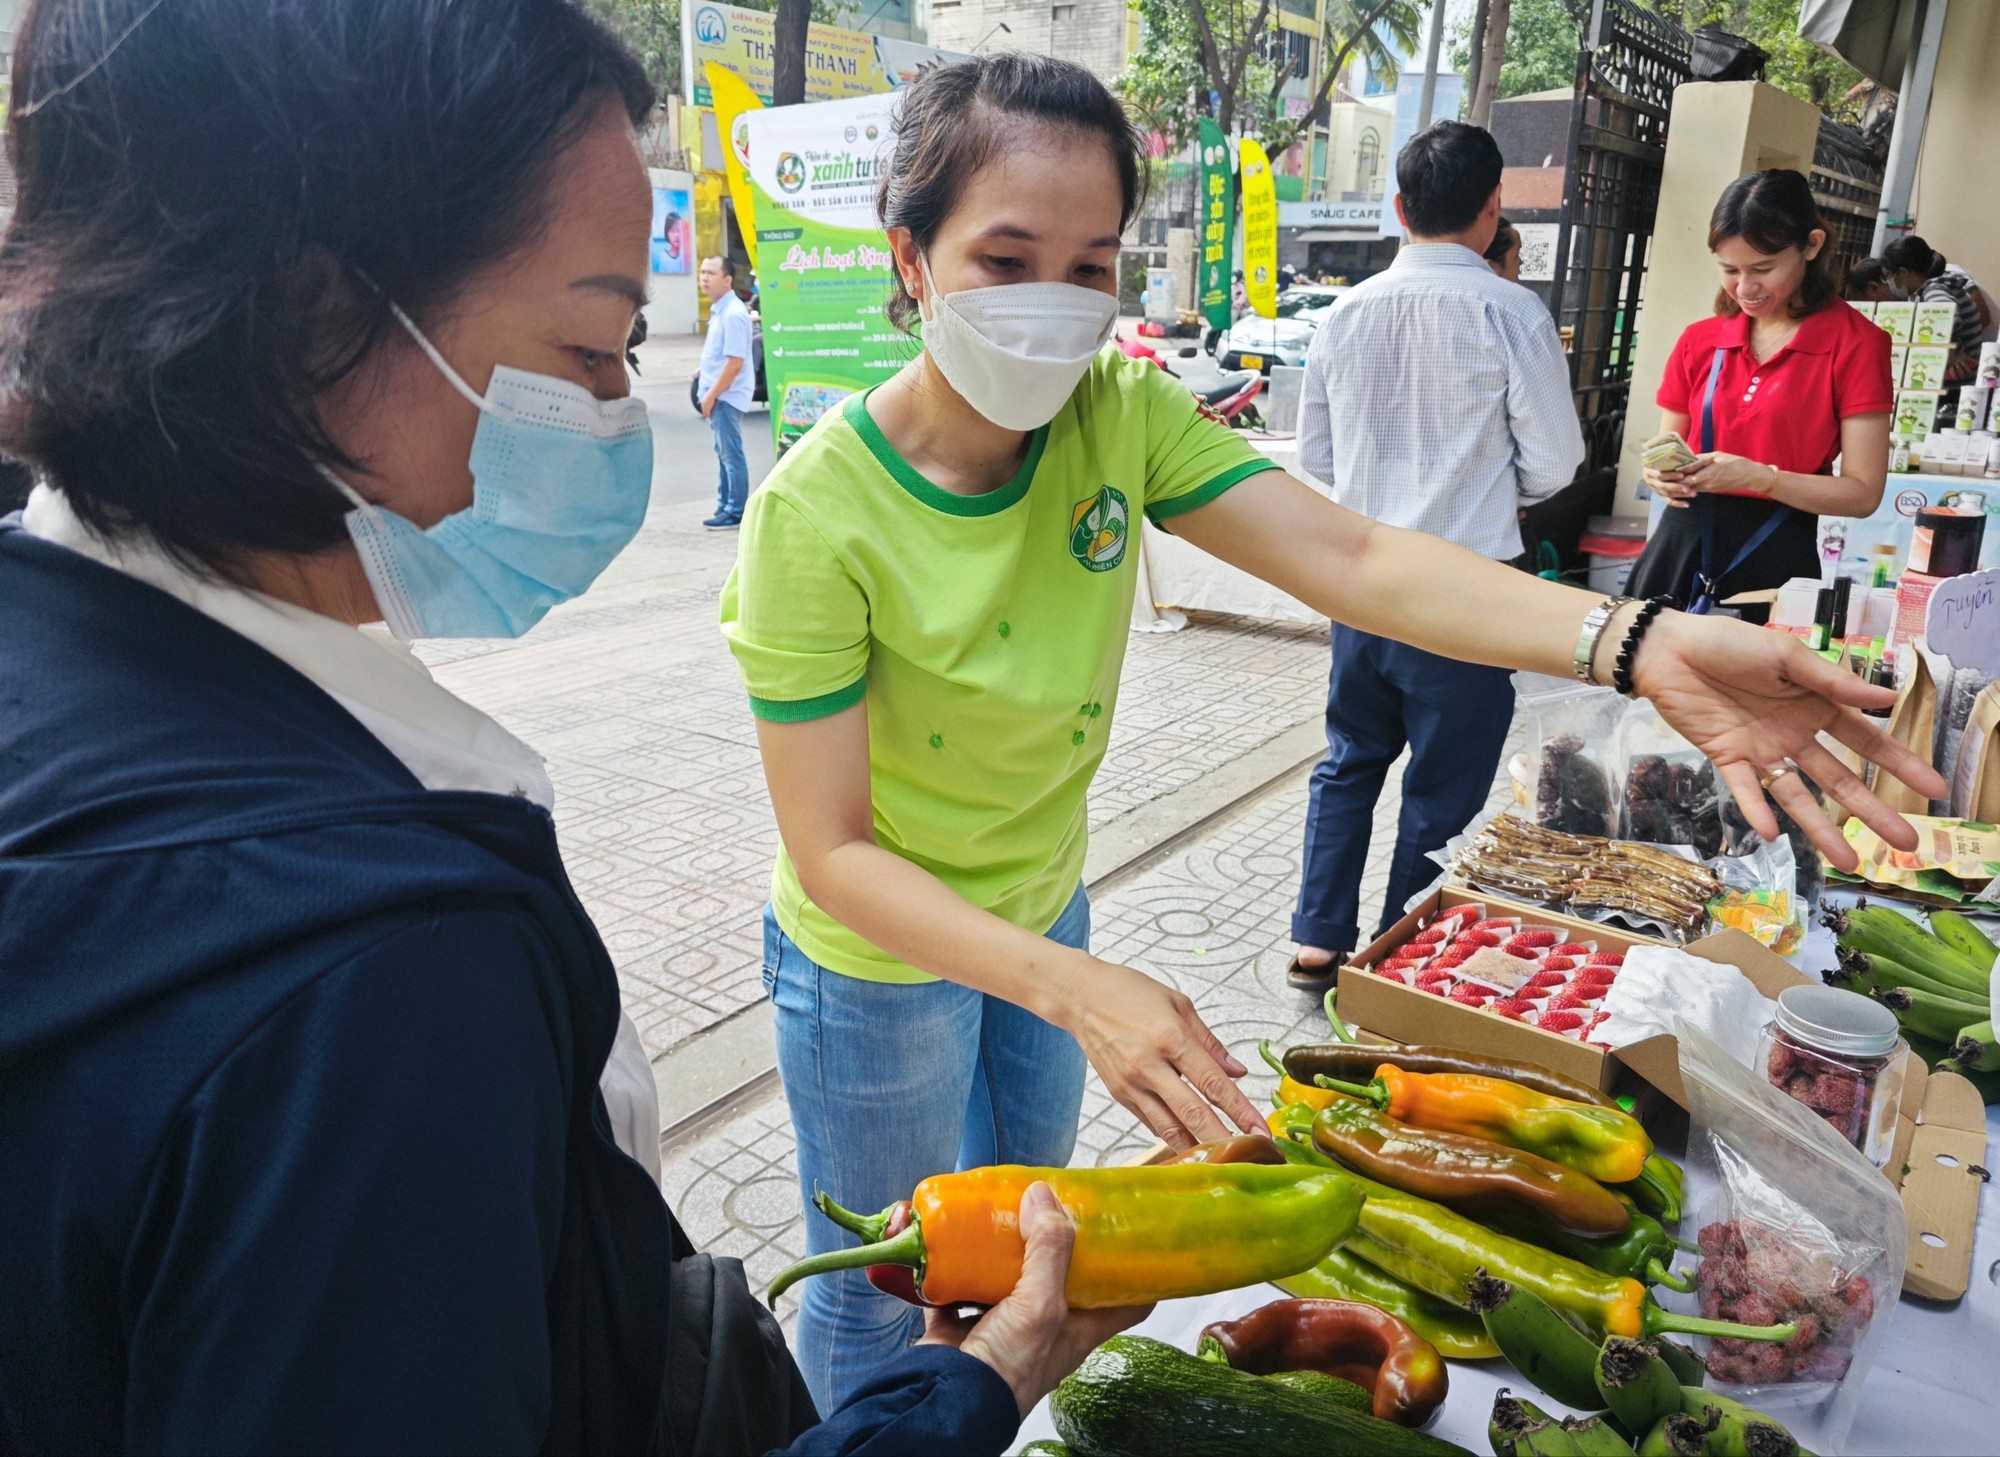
(1097,529)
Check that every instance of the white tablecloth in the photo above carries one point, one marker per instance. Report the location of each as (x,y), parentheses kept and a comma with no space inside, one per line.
(1174,575)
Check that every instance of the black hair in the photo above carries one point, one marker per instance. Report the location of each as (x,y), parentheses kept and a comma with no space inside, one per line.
(952,120)
(1446,174)
(1865,273)
(1771,211)
(1506,238)
(725,263)
(217,201)
(1913,253)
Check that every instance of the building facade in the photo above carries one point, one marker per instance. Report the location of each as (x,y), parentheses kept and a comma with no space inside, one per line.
(1098,33)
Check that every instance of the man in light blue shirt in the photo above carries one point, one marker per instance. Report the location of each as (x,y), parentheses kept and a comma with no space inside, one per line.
(726,384)
(1435,398)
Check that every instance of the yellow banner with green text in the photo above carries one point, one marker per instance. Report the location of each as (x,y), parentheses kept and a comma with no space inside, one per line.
(1260,228)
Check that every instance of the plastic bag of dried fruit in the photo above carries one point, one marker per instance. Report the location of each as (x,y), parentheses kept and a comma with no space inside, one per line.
(1792,1224)
(1570,725)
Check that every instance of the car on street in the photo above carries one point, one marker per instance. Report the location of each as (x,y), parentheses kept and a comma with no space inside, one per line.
(1309,297)
(1258,343)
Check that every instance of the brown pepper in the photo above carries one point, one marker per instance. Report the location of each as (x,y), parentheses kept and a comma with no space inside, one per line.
(1377,1351)
(1474,1175)
(1244,1148)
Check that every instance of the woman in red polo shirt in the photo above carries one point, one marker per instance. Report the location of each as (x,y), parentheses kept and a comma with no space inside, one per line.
(1784,380)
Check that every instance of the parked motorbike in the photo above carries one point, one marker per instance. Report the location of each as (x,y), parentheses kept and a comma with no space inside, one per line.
(1232,398)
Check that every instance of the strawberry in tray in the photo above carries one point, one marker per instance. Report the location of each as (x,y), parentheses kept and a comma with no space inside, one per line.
(1605,958)
(1540,939)
(1563,1022)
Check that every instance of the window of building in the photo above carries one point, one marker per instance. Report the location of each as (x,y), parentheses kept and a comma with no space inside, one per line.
(1058,12)
(1367,159)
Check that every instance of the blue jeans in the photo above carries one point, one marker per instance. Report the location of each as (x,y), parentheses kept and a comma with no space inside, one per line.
(889,1084)
(1381,695)
(733,490)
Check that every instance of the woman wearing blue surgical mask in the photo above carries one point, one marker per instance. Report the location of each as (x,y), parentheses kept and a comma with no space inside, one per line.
(320,1127)
(930,609)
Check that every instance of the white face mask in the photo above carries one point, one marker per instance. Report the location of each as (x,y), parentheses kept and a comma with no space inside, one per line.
(1016,351)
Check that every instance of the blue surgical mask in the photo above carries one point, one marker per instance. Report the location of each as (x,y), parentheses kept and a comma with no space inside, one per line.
(560,481)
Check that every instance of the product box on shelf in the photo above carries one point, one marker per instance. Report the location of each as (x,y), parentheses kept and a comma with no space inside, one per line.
(1899,318)
(1916,413)
(1932,321)
(1924,366)
(1940,1145)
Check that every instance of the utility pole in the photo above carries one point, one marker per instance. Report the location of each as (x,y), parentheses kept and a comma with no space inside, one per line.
(1431,49)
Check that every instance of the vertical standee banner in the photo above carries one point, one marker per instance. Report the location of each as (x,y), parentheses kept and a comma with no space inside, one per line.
(825,269)
(1260,229)
(1217,225)
(734,101)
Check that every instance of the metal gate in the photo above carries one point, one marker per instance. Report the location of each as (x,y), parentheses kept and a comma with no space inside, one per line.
(1847,185)
(1626,72)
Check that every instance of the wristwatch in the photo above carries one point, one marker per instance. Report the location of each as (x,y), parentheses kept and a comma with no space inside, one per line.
(1593,629)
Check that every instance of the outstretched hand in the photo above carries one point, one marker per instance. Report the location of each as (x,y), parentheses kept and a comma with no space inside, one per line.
(1156,1056)
(1032,1339)
(1753,701)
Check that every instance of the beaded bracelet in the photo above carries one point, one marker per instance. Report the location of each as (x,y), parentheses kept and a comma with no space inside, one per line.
(1628,651)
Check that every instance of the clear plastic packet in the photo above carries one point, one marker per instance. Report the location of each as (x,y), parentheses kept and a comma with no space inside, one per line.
(1956,702)
(1571,726)
(1668,792)
(1792,1224)
(1759,896)
(1741,841)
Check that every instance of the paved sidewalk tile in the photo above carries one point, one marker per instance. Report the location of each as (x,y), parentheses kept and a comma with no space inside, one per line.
(1212,917)
(665,825)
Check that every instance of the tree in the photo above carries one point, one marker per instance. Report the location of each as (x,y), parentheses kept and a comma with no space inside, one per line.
(1544,37)
(651,30)
(1797,65)
(1198,49)
(788,52)
(1541,41)
(1379,34)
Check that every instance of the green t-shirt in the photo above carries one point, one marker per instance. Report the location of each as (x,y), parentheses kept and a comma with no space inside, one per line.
(985,632)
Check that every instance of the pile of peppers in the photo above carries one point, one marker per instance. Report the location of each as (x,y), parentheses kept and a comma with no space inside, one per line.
(1478,1167)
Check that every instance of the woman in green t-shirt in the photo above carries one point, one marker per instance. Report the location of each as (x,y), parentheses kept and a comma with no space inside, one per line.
(930,609)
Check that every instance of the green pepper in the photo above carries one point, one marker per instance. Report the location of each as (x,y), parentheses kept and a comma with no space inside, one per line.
(1659,1188)
(1428,1246)
(1340,1276)
(1644,1252)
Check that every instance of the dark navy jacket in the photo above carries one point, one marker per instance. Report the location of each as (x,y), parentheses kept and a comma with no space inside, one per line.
(300,1141)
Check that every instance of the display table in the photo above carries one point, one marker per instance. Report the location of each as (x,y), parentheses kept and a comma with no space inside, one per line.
(1931,1389)
(1175,575)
